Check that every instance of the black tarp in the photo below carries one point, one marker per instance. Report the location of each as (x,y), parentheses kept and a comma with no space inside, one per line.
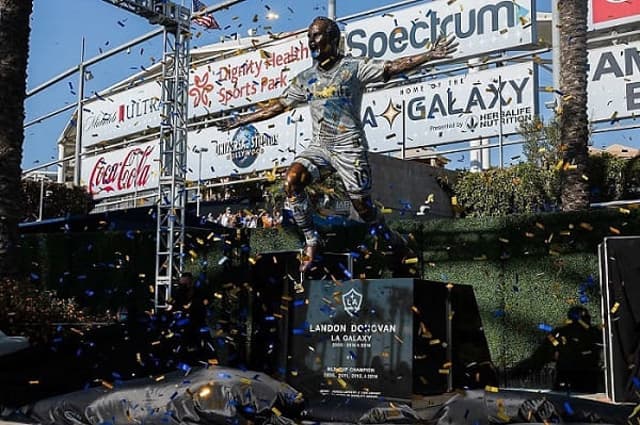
(226,396)
(202,396)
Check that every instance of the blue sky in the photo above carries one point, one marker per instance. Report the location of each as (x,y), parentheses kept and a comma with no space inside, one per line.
(58,26)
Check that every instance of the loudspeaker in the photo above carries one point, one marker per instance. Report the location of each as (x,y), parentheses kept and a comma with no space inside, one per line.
(620,291)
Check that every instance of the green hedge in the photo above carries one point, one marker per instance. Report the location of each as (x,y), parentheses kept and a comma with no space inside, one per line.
(526,270)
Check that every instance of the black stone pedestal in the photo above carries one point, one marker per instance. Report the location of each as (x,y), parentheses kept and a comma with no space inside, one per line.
(353,338)
(385,338)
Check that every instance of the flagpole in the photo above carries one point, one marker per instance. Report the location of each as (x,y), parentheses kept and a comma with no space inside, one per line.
(331,10)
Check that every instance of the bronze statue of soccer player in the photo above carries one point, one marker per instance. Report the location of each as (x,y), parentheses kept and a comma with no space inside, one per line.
(333,87)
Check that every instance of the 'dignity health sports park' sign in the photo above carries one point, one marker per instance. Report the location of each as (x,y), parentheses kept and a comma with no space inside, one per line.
(614,82)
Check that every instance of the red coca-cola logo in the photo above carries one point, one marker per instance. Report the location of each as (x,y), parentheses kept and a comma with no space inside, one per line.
(132,172)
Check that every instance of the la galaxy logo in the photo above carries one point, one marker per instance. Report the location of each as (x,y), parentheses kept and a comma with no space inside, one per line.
(352,301)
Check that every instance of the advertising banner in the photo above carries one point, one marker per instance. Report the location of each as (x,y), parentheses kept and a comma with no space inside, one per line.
(255,147)
(612,13)
(248,78)
(614,82)
(127,112)
(451,109)
(122,171)
(231,83)
(480,27)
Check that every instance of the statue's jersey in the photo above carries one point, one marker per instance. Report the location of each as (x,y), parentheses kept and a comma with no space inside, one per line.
(335,97)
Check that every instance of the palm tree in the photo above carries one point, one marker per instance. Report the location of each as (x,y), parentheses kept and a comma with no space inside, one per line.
(14,50)
(574,124)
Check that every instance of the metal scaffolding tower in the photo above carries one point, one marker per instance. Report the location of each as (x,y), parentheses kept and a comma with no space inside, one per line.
(173,138)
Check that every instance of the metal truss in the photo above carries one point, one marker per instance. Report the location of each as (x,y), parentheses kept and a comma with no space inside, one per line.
(173,138)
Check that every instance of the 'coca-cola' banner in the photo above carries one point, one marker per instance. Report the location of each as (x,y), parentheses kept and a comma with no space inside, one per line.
(122,171)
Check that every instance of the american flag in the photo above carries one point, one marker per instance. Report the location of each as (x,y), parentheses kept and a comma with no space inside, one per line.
(207,20)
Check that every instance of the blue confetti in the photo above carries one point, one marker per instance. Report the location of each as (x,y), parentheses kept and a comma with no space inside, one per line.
(545,327)
(567,408)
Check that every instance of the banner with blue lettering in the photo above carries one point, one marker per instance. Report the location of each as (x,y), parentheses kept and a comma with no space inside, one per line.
(453,109)
(480,27)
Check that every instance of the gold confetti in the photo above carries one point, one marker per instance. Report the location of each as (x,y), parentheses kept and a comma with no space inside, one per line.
(615,307)
(204,392)
(107,385)
(342,382)
(276,411)
(586,226)
(624,210)
(490,389)
(413,260)
(614,230)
